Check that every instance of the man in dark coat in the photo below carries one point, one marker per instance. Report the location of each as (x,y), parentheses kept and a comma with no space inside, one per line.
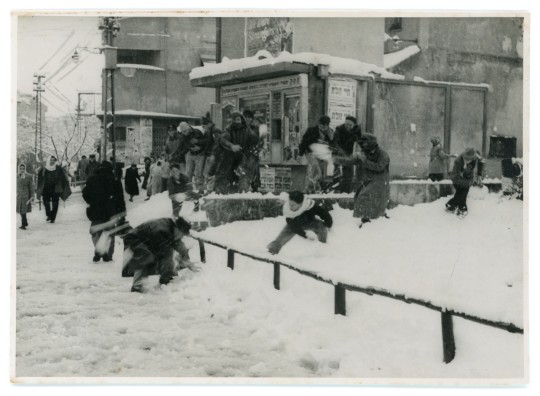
(147,163)
(254,157)
(236,167)
(81,168)
(373,195)
(200,143)
(316,169)
(132,181)
(344,138)
(92,166)
(52,184)
(25,194)
(177,144)
(463,176)
(214,151)
(150,247)
(300,215)
(106,211)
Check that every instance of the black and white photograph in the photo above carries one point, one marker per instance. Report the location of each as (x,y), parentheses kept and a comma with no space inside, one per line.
(270,197)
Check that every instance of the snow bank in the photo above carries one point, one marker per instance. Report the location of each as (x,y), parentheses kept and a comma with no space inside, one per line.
(336,65)
(77,320)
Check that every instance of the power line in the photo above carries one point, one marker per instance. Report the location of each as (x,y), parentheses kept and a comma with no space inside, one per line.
(75,67)
(58,50)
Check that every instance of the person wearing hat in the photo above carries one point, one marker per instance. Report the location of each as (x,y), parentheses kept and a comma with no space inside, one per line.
(52,184)
(438,164)
(92,166)
(463,176)
(316,167)
(177,144)
(200,143)
(372,197)
(345,136)
(150,247)
(25,194)
(236,166)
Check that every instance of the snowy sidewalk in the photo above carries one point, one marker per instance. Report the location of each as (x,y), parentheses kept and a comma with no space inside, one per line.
(76,318)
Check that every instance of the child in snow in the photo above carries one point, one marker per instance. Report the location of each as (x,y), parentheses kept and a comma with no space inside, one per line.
(463,178)
(300,215)
(150,247)
(437,161)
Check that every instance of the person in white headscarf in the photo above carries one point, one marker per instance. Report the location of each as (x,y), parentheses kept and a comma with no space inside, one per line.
(25,194)
(52,185)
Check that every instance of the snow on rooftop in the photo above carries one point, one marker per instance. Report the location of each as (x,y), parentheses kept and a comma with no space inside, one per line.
(395,58)
(420,79)
(336,65)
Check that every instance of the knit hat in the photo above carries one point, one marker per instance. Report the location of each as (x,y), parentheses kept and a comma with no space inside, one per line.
(435,141)
(184,126)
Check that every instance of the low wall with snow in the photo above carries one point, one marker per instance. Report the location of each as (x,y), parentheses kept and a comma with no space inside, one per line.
(223,209)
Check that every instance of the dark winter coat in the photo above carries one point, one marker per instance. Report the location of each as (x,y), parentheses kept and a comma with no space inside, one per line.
(199,142)
(104,195)
(344,139)
(157,235)
(237,167)
(463,174)
(313,135)
(130,181)
(50,182)
(298,221)
(91,168)
(177,147)
(371,199)
(25,191)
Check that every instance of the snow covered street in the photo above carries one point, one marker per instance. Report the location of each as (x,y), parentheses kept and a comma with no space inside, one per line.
(76,318)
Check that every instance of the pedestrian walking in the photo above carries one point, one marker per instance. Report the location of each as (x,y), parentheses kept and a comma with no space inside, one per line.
(147,163)
(131,181)
(25,195)
(150,247)
(106,211)
(372,197)
(82,168)
(300,214)
(52,185)
(92,166)
(155,181)
(468,170)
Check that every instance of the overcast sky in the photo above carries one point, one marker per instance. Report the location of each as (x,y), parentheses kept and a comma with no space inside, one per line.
(45,44)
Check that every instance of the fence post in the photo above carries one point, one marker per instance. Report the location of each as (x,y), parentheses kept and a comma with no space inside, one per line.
(202,251)
(276,276)
(449,344)
(339,300)
(230,258)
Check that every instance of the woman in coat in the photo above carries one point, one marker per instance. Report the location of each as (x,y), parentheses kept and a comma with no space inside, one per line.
(147,163)
(52,184)
(155,182)
(371,199)
(25,194)
(438,161)
(131,181)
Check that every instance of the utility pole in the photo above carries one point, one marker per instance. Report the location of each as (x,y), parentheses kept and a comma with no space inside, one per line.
(38,89)
(111,27)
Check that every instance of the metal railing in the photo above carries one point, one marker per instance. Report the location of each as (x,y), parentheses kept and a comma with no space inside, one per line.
(340,288)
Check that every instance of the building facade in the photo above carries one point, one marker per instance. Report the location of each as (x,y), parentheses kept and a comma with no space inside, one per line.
(151,83)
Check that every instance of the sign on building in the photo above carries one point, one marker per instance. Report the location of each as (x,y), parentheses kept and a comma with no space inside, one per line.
(271,34)
(276,179)
(341,100)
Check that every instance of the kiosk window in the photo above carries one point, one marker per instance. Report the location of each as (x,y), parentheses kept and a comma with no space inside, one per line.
(276,129)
